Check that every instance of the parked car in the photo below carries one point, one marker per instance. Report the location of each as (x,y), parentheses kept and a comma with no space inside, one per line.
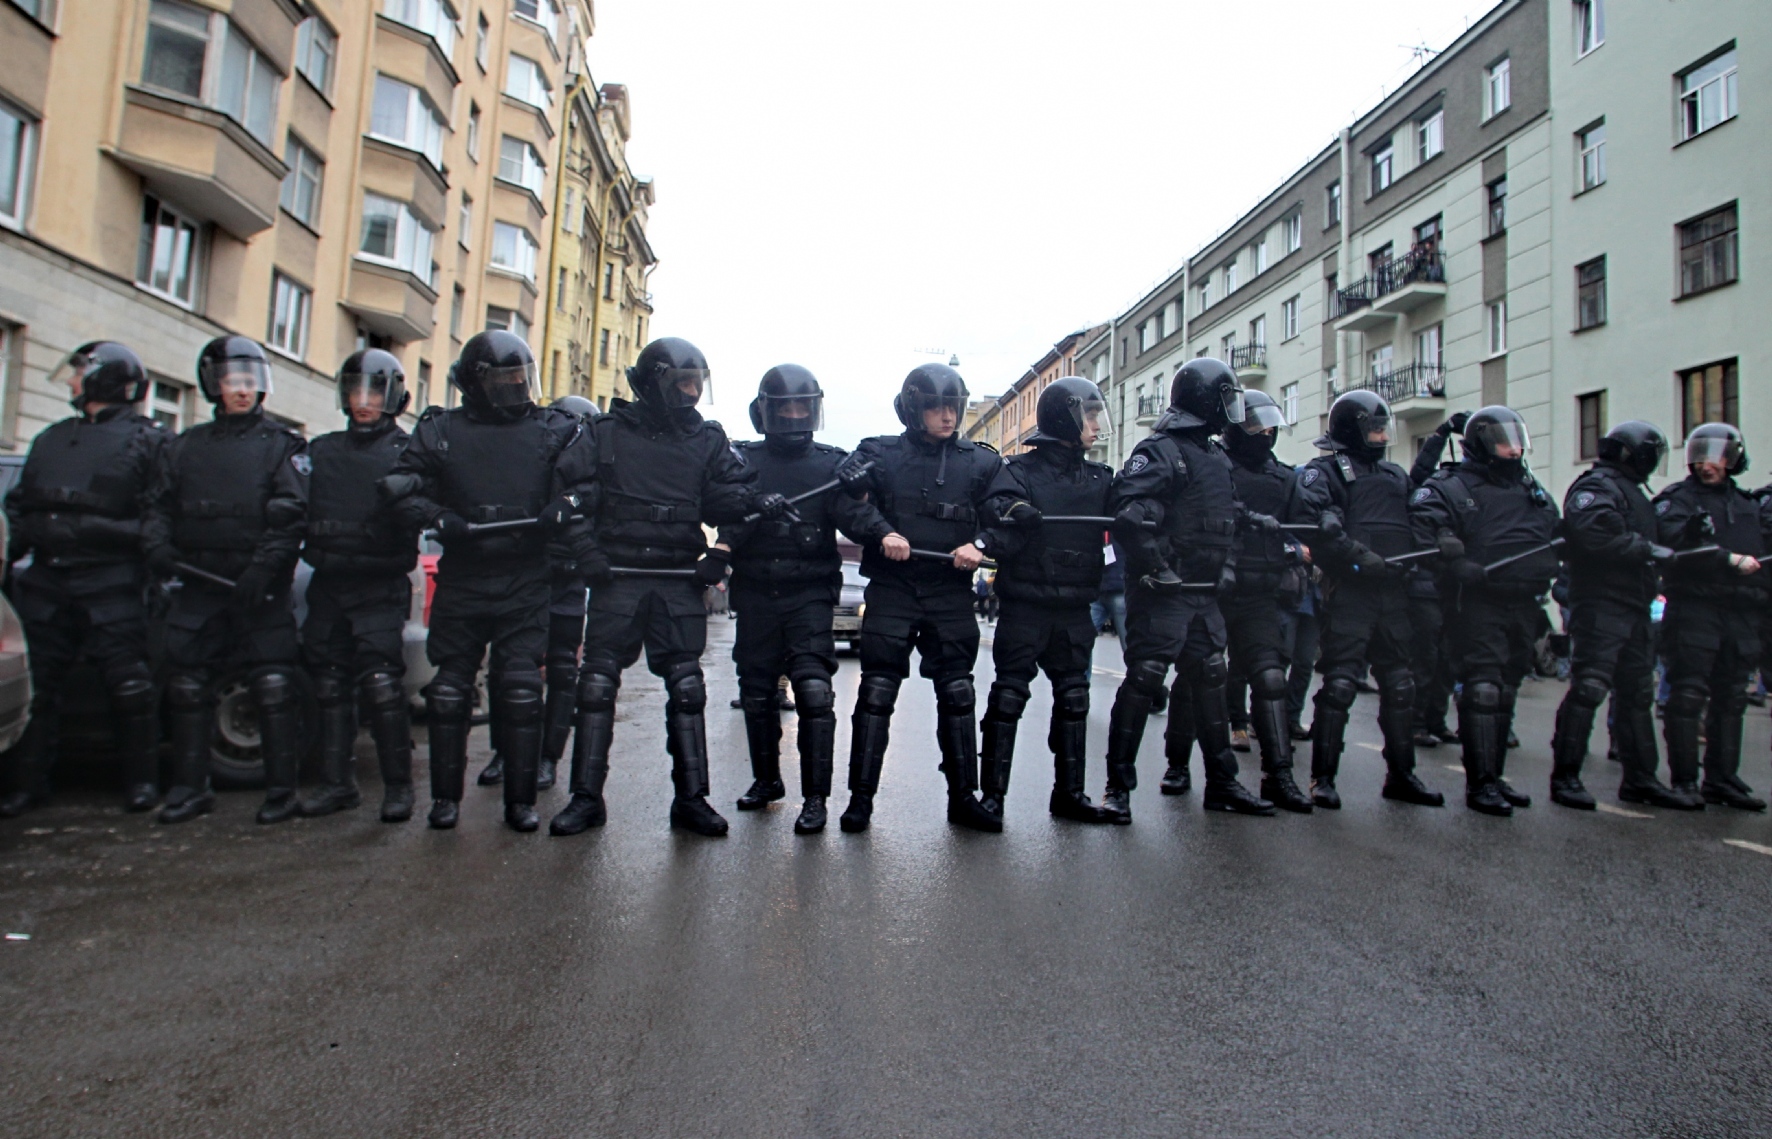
(15,669)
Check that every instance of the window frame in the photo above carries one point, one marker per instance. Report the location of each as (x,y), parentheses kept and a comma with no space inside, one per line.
(1590,27)
(1691,101)
(1258,255)
(1433,128)
(1495,328)
(1495,208)
(1382,160)
(1332,204)
(284,286)
(1590,157)
(298,156)
(524,243)
(1588,433)
(552,30)
(464,220)
(482,41)
(418,105)
(1292,232)
(530,164)
(168,410)
(304,49)
(407,225)
(436,19)
(24,176)
(1588,284)
(1728,398)
(1289,318)
(1289,402)
(194,252)
(1728,238)
(536,74)
(220,35)
(1498,87)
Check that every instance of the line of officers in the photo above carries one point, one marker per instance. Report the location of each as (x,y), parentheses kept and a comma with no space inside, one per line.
(574,541)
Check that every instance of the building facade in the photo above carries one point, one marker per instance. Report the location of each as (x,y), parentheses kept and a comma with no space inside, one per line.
(1007,420)
(320,176)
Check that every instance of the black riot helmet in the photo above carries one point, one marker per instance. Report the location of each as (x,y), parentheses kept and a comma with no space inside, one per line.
(233,360)
(1494,431)
(578,405)
(1067,405)
(497,372)
(789,402)
(1263,420)
(103,371)
(930,386)
(1354,418)
(1636,445)
(1205,393)
(671,374)
(1717,443)
(373,374)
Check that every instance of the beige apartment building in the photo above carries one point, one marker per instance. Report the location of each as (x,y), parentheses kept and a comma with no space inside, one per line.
(320,176)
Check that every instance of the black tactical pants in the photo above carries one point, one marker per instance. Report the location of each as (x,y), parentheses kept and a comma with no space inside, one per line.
(1365,626)
(1188,631)
(354,625)
(1433,663)
(506,613)
(1492,633)
(782,632)
(1710,648)
(1060,640)
(1612,652)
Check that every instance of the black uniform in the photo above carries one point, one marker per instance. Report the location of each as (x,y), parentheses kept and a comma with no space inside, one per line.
(231,498)
(1427,622)
(77,511)
(1710,632)
(487,465)
(358,601)
(933,494)
(1496,510)
(1047,576)
(1609,525)
(786,579)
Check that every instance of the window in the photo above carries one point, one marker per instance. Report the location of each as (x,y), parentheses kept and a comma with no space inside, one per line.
(1289,402)
(18,140)
(1378,259)
(1261,257)
(1707,94)
(202,56)
(1498,93)
(1205,296)
(1590,29)
(290,305)
(1158,331)
(1332,205)
(166,261)
(1590,415)
(568,214)
(1428,233)
(1498,206)
(432,17)
(316,47)
(525,82)
(1590,294)
(1227,344)
(542,12)
(514,249)
(1230,278)
(1710,395)
(456,305)
(1708,251)
(393,235)
(166,406)
(506,319)
(43,11)
(1497,326)
(1591,143)
(560,292)
(465,223)
(1428,350)
(1381,170)
(474,130)
(1381,361)
(1292,233)
(1289,318)
(421,391)
(1430,136)
(1144,336)
(403,116)
(519,163)
(301,186)
(609,295)
(1258,332)
(482,40)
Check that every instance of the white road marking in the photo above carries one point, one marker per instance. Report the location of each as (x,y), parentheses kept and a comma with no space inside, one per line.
(1369,747)
(1609,809)
(1757,848)
(1458,767)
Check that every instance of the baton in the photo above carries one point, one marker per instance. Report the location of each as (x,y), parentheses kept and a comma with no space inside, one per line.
(1553,544)
(510,524)
(938,556)
(1300,527)
(193,571)
(1678,554)
(813,493)
(1185,587)
(1080,519)
(1412,556)
(638,571)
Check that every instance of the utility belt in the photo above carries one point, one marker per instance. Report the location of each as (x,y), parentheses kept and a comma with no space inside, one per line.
(83,501)
(947,512)
(650,512)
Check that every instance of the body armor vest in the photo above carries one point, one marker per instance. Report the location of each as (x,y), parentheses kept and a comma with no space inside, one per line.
(1500,519)
(80,491)
(1266,489)
(347,530)
(651,478)
(1200,523)
(499,472)
(1736,517)
(1635,582)
(785,552)
(1060,564)
(926,494)
(1377,506)
(223,474)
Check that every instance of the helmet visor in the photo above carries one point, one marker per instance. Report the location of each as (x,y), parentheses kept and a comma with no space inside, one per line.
(683,387)
(1262,418)
(1505,440)
(920,402)
(234,374)
(511,386)
(71,373)
(1233,404)
(791,414)
(1092,413)
(379,390)
(1713,448)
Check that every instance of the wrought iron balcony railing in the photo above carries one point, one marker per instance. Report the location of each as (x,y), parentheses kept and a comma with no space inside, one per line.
(1412,381)
(1248,356)
(1422,264)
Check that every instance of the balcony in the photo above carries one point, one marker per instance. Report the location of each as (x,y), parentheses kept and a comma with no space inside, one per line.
(1249,361)
(1399,285)
(1149,407)
(200,160)
(1414,389)
(390,301)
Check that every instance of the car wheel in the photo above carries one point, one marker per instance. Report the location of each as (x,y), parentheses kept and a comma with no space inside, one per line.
(236,761)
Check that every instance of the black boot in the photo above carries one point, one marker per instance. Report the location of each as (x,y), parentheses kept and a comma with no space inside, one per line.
(1267,714)
(1223,790)
(1070,741)
(520,712)
(390,726)
(1633,735)
(590,768)
(1132,707)
(1722,759)
(816,705)
(1575,725)
(1480,724)
(494,772)
(762,729)
(869,731)
(957,735)
(1396,719)
(31,760)
(686,737)
(1178,741)
(1680,725)
(338,741)
(997,756)
(279,730)
(561,709)
(1515,798)
(448,708)
(1328,738)
(135,717)
(191,719)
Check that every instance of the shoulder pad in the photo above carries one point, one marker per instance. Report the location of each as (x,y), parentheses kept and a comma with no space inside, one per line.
(827,448)
(713,423)
(981,445)
(884,440)
(1091,464)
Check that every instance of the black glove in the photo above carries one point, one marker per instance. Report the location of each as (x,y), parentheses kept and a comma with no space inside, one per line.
(853,474)
(711,569)
(251,587)
(1330,526)
(1261,523)
(451,527)
(1450,546)
(770,506)
(1469,573)
(1455,425)
(1025,514)
(558,514)
(1661,555)
(1163,580)
(1366,560)
(593,566)
(163,560)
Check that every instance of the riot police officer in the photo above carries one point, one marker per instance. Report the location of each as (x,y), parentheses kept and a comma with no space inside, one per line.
(229,505)
(1613,553)
(1715,601)
(663,471)
(1177,516)
(1047,574)
(930,486)
(77,511)
(786,578)
(1427,616)
(361,590)
(498,458)
(1360,504)
(1486,509)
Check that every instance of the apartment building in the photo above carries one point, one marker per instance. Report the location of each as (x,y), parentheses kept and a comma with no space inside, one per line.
(320,176)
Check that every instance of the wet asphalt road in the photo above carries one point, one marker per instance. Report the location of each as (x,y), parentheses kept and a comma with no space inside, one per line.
(1387,970)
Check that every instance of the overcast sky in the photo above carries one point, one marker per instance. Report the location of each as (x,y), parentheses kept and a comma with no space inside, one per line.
(842,185)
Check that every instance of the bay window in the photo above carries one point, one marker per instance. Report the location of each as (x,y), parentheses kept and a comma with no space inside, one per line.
(514,250)
(525,82)
(403,116)
(393,235)
(432,17)
(202,56)
(519,163)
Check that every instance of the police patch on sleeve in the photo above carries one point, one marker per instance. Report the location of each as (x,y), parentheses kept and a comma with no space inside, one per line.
(1309,477)
(303,465)
(1421,496)
(1584,500)
(1664,506)
(1136,463)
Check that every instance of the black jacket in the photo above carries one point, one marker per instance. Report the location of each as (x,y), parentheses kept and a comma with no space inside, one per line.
(84,490)
(1496,514)
(1370,497)
(349,530)
(785,553)
(933,494)
(1062,563)
(1735,524)
(1609,524)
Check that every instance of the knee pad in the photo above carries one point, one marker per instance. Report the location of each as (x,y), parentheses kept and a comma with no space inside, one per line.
(186,693)
(383,691)
(1399,685)
(133,696)
(1338,692)
(1483,696)
(813,696)
(447,702)
(1072,700)
(1005,702)
(878,694)
(331,688)
(1146,677)
(955,696)
(562,674)
(1589,691)
(519,705)
(687,692)
(596,692)
(273,689)
(1268,684)
(525,680)
(1212,672)
(1686,702)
